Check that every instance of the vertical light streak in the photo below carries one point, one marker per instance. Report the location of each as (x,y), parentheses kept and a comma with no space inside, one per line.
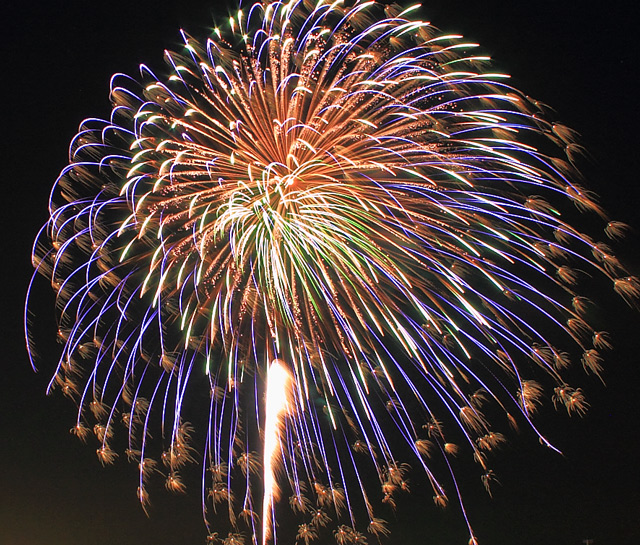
(277,406)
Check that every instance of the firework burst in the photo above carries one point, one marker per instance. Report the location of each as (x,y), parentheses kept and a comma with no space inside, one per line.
(348,192)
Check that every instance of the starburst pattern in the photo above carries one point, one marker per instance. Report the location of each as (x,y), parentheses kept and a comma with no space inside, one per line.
(356,194)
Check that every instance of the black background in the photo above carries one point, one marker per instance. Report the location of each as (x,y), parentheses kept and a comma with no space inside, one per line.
(580,57)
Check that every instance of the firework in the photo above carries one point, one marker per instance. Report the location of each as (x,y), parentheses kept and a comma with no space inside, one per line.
(356,196)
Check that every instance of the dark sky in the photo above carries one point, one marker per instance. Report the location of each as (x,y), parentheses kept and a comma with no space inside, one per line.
(580,57)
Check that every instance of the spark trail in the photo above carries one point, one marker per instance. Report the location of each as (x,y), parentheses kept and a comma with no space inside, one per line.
(277,406)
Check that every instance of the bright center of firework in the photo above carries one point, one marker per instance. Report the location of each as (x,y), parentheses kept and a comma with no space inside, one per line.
(268,212)
(283,182)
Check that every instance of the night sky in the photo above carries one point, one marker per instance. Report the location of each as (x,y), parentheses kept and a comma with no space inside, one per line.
(580,57)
